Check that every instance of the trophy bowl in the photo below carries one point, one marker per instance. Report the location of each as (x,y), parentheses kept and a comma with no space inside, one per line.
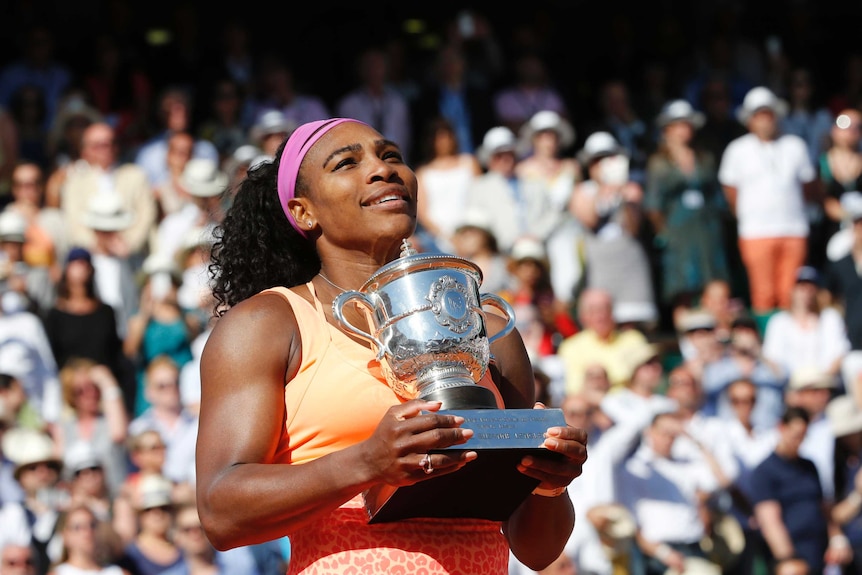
(428,327)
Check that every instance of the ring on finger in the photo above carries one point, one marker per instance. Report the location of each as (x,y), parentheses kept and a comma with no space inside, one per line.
(425,464)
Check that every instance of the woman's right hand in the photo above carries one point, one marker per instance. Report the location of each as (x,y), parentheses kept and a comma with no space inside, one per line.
(407,433)
(102,376)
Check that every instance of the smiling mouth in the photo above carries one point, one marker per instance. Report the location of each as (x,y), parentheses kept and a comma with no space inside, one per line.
(387,199)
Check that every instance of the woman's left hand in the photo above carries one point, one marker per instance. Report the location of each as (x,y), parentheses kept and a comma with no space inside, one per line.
(554,473)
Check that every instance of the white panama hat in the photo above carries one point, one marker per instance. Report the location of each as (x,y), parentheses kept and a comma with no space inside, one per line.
(598,145)
(545,120)
(202,178)
(496,140)
(106,212)
(760,98)
(679,111)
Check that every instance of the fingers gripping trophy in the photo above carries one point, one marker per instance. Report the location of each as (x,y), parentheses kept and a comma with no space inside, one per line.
(427,325)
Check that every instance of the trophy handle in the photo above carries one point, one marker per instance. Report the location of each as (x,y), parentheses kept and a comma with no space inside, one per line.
(338,304)
(496,301)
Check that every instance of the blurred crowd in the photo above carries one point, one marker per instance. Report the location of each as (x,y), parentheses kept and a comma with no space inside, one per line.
(684,260)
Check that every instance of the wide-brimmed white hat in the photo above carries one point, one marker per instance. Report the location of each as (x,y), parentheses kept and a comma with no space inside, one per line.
(158,262)
(24,446)
(154,491)
(202,178)
(528,247)
(844,415)
(242,156)
(271,122)
(106,212)
(679,111)
(760,98)
(599,145)
(496,140)
(13,226)
(543,121)
(694,320)
(79,456)
(811,378)
(476,218)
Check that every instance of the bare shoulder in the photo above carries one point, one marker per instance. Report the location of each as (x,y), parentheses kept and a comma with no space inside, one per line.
(261,328)
(472,161)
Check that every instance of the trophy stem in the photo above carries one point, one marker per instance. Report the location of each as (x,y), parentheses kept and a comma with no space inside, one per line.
(453,384)
(465,396)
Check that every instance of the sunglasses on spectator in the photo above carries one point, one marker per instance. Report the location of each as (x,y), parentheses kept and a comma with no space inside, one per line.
(78,391)
(39,465)
(163,384)
(18,562)
(742,400)
(82,526)
(25,183)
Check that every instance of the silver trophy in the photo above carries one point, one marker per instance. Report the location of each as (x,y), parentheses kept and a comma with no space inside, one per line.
(428,327)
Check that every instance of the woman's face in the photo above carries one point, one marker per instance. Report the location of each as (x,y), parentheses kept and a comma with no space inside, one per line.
(678,132)
(469,241)
(546,143)
(445,143)
(90,481)
(85,392)
(27,184)
(804,294)
(149,454)
(528,271)
(361,192)
(80,530)
(157,520)
(78,271)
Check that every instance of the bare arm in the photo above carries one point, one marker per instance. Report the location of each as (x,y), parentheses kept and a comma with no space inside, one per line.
(243,495)
(768,515)
(54,187)
(583,207)
(112,403)
(832,208)
(730,194)
(848,508)
(540,527)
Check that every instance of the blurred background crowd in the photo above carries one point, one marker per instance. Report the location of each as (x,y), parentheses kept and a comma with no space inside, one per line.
(669,195)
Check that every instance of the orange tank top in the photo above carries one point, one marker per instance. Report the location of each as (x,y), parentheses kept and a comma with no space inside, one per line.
(336,399)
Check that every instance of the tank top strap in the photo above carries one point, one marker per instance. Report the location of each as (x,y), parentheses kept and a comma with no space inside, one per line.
(317,305)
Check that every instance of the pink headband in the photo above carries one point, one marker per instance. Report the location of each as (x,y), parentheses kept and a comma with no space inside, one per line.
(297,146)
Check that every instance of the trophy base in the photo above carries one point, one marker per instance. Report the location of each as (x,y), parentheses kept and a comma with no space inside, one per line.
(490,487)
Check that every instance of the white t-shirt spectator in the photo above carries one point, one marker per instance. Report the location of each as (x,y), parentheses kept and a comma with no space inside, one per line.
(768,177)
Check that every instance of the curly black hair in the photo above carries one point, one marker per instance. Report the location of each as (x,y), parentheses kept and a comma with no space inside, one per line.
(255,246)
